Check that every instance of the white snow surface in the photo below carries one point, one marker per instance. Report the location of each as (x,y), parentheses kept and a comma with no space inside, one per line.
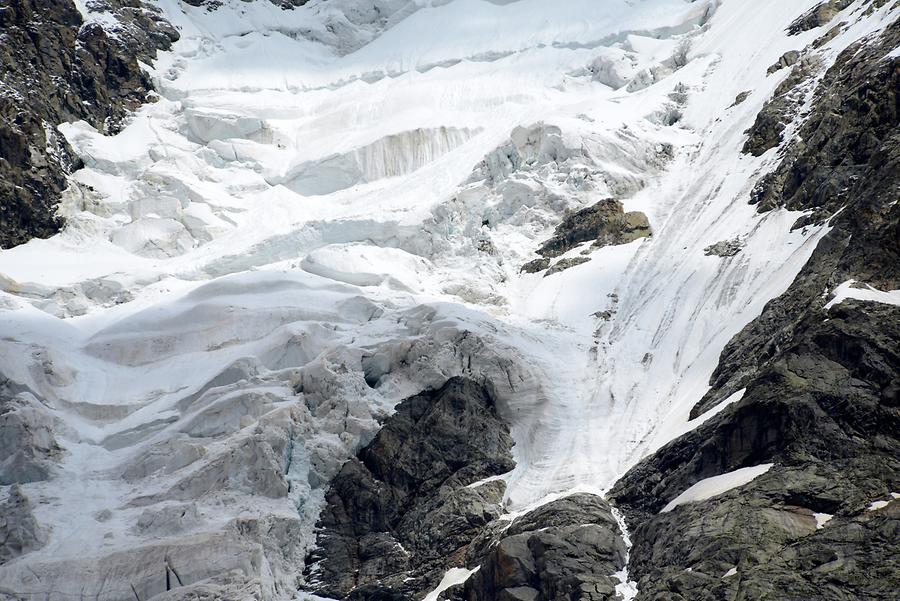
(849,290)
(822,519)
(716,485)
(327,210)
(453,577)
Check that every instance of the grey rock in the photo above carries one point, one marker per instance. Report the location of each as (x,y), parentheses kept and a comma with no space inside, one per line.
(822,386)
(768,128)
(788,59)
(564,264)
(725,248)
(605,223)
(19,531)
(829,35)
(536,265)
(402,512)
(567,549)
(54,68)
(740,98)
(818,16)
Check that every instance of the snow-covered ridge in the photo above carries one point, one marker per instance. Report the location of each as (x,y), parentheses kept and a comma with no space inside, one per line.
(312,223)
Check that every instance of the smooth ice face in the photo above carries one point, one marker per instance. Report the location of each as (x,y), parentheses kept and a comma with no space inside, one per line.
(328,210)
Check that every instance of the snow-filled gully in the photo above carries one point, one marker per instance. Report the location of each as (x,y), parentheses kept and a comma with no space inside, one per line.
(287,243)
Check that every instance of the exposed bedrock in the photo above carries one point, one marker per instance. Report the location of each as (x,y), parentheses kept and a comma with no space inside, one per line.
(54,68)
(605,223)
(819,15)
(424,497)
(845,167)
(568,549)
(822,399)
(398,511)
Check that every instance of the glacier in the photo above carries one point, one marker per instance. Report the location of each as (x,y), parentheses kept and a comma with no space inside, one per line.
(327,209)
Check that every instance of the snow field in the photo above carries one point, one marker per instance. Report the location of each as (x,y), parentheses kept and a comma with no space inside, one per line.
(327,210)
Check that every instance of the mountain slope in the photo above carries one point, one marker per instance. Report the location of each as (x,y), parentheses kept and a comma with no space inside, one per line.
(408,299)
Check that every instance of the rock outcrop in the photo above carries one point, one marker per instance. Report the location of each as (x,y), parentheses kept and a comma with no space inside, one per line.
(409,504)
(568,549)
(425,497)
(566,263)
(819,15)
(605,223)
(822,387)
(767,131)
(724,248)
(56,67)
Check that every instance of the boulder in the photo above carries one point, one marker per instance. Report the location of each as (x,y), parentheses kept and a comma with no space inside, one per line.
(568,549)
(605,223)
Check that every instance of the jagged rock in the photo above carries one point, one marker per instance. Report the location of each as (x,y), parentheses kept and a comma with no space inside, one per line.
(564,264)
(822,387)
(402,512)
(819,15)
(829,35)
(849,149)
(725,248)
(536,265)
(56,68)
(568,549)
(19,531)
(849,159)
(740,98)
(825,411)
(788,59)
(605,223)
(781,109)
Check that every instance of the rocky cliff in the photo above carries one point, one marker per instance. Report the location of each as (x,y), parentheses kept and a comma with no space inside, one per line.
(59,65)
(822,384)
(450,301)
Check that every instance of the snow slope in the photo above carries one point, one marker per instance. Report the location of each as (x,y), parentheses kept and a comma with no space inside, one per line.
(327,211)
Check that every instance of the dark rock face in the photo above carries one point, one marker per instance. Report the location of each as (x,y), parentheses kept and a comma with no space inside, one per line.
(536,265)
(848,158)
(403,511)
(568,549)
(413,504)
(605,223)
(826,413)
(822,400)
(55,68)
(819,15)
